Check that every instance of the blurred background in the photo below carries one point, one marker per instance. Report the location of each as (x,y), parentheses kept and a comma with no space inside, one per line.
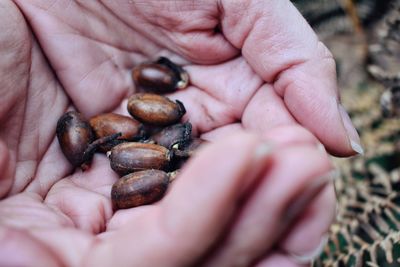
(364,37)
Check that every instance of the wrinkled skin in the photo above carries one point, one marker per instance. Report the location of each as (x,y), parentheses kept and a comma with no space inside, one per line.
(262,71)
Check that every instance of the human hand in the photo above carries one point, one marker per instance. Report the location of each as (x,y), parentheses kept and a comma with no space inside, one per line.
(231,206)
(42,191)
(253,64)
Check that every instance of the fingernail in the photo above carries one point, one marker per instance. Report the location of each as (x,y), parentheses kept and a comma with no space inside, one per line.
(321,147)
(299,204)
(352,134)
(308,257)
(263,150)
(261,155)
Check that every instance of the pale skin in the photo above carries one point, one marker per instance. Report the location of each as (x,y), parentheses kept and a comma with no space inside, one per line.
(257,84)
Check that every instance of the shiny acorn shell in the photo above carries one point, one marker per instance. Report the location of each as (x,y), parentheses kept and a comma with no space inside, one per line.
(154,77)
(110,123)
(155,109)
(162,76)
(139,188)
(133,156)
(74,135)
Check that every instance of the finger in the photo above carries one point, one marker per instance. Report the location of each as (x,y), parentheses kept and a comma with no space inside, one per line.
(282,48)
(280,136)
(223,132)
(18,248)
(291,135)
(218,95)
(193,214)
(235,96)
(313,226)
(274,206)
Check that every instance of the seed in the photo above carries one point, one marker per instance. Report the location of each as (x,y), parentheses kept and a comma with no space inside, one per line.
(139,188)
(162,76)
(74,135)
(111,123)
(131,156)
(155,109)
(174,135)
(154,78)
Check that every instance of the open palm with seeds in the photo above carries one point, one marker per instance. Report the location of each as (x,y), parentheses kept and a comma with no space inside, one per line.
(259,79)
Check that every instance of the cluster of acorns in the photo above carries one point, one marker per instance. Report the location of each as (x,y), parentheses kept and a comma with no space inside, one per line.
(146,149)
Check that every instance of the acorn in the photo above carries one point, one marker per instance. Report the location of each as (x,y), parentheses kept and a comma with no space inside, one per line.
(132,156)
(139,188)
(74,135)
(162,76)
(175,135)
(155,109)
(111,123)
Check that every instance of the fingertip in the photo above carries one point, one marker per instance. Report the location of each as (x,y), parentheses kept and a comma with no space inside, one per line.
(354,138)
(313,226)
(311,95)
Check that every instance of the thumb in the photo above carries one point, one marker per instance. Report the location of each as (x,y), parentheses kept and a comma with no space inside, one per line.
(283,49)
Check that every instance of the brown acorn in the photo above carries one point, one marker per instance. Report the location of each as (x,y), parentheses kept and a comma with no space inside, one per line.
(175,135)
(139,188)
(111,123)
(132,156)
(155,109)
(162,76)
(74,135)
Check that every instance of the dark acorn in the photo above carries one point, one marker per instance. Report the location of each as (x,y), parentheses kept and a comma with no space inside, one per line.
(132,156)
(139,188)
(155,109)
(162,76)
(111,123)
(74,135)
